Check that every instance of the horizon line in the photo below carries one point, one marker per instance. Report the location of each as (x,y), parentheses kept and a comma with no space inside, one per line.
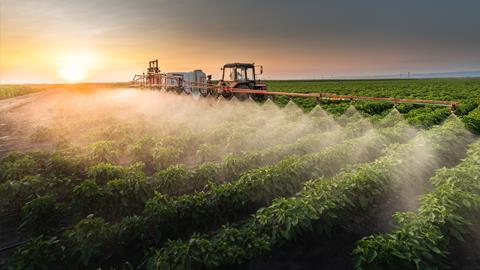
(325,77)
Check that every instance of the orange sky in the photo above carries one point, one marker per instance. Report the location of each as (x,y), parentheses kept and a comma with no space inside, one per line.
(54,41)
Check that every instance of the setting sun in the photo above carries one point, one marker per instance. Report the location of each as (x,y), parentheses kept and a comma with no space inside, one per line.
(74,67)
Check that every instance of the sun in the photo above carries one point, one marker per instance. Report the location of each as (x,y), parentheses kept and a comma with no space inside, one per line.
(74,67)
(72,73)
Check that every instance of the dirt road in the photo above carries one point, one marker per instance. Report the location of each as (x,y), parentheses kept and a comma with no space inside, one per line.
(20,115)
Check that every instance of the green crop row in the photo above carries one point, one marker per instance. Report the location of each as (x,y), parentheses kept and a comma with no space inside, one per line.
(472,120)
(110,184)
(178,179)
(26,176)
(427,117)
(97,242)
(120,142)
(465,89)
(417,115)
(321,204)
(129,188)
(422,239)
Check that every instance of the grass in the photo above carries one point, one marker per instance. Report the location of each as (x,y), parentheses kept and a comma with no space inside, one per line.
(13,90)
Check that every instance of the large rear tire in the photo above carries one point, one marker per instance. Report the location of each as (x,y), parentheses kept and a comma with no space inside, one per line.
(227,95)
(241,96)
(259,97)
(179,90)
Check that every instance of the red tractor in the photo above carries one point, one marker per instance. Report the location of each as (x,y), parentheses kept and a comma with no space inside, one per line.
(238,77)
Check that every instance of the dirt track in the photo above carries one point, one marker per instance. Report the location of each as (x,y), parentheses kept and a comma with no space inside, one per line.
(19,115)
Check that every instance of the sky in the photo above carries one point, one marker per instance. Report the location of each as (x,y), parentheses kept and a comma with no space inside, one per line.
(54,41)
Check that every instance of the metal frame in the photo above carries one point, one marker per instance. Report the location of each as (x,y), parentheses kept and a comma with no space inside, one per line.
(158,78)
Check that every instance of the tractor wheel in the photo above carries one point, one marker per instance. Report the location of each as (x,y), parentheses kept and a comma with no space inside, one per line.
(241,96)
(179,90)
(259,97)
(227,95)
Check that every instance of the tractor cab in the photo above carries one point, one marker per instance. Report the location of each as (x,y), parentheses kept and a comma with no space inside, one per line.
(242,76)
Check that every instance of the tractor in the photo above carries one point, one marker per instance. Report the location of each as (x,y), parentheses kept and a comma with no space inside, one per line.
(240,80)
(238,77)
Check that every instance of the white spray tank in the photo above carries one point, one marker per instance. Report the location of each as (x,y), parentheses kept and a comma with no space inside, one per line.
(187,82)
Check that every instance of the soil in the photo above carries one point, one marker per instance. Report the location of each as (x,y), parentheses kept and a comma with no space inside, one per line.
(19,116)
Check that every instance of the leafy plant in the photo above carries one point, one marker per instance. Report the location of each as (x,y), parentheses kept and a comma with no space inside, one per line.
(89,197)
(166,156)
(422,238)
(472,120)
(208,152)
(104,151)
(16,165)
(174,180)
(41,216)
(104,172)
(43,253)
(322,204)
(88,239)
(166,218)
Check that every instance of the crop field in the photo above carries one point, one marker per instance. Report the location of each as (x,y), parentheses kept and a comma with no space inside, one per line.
(140,179)
(13,90)
(9,91)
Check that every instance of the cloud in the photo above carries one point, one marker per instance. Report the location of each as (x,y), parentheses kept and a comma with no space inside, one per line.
(287,36)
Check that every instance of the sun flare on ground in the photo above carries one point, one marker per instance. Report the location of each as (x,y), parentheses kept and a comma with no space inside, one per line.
(74,67)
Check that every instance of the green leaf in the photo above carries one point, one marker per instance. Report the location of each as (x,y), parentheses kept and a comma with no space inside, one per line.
(399,254)
(357,261)
(371,255)
(436,250)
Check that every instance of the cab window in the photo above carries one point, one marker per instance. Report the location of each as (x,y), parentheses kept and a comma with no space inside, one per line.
(250,74)
(229,74)
(241,74)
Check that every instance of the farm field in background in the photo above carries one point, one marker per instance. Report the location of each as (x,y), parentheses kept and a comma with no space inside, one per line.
(460,89)
(131,178)
(13,90)
(465,90)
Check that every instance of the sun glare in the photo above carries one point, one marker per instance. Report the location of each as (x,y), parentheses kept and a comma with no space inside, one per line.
(74,67)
